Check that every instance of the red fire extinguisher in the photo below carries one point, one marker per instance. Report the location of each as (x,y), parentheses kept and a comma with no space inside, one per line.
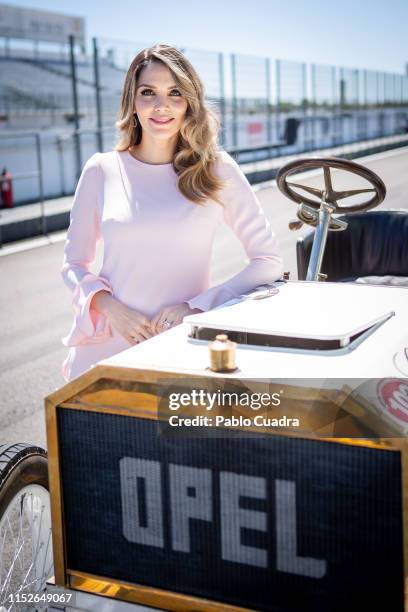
(6,189)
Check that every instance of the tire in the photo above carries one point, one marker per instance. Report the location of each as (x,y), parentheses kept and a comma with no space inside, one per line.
(20,464)
(25,523)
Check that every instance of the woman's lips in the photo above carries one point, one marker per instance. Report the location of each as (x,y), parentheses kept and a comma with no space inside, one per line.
(161,121)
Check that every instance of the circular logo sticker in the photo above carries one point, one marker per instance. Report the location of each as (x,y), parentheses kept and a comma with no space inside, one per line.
(393,393)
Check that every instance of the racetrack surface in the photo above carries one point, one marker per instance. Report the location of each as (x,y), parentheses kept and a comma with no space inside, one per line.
(36,305)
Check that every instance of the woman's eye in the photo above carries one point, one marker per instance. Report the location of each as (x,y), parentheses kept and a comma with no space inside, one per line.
(150,92)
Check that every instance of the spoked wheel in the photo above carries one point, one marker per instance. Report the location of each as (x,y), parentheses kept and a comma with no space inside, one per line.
(26,560)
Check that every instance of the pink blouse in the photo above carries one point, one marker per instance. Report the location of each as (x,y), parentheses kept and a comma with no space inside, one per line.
(157,243)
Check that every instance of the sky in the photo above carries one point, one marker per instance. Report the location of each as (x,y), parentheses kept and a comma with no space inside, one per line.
(355,33)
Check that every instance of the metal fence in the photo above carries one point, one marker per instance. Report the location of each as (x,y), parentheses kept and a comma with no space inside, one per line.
(266,106)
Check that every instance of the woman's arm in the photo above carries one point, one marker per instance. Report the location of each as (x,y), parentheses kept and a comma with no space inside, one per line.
(90,325)
(243,213)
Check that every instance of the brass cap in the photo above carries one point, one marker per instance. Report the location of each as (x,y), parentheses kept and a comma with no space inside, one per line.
(222,354)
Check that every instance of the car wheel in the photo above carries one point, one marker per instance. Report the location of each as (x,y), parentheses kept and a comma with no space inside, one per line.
(26,560)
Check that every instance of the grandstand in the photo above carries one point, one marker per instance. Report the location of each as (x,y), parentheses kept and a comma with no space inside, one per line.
(40,91)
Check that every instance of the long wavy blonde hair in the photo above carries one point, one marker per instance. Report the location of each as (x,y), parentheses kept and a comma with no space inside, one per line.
(196,149)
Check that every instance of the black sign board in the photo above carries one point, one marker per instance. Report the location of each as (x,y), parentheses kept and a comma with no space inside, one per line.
(261,522)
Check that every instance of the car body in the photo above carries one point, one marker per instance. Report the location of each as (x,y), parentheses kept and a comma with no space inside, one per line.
(346,386)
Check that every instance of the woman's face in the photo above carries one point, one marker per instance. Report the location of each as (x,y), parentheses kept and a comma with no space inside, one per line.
(159,105)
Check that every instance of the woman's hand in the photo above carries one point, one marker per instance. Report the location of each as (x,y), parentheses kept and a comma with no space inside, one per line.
(171,316)
(130,323)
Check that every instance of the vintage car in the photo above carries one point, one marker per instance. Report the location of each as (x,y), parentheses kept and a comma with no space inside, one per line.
(187,474)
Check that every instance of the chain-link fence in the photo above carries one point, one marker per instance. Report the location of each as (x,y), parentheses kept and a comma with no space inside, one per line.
(266,107)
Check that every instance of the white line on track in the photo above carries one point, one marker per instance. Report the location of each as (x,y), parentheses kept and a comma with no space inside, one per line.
(32,243)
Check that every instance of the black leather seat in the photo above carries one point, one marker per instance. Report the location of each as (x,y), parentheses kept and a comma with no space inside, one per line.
(375,244)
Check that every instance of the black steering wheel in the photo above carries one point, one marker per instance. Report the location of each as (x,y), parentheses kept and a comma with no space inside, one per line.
(328,194)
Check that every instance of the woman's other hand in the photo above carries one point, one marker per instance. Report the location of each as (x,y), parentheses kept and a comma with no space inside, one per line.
(130,323)
(170,316)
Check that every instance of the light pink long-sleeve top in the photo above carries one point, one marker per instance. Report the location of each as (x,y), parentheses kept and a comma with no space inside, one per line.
(157,247)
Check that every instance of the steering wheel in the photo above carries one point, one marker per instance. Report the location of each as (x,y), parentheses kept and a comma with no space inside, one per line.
(328,194)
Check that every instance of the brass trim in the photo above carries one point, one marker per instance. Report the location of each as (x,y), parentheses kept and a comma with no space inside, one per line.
(114,373)
(54,478)
(145,595)
(131,412)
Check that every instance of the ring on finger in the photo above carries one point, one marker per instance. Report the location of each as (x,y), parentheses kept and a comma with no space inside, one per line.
(166,323)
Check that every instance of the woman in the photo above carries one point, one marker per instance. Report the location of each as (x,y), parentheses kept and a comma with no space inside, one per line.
(156,201)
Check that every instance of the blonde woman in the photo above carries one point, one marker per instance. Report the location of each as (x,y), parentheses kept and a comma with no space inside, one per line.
(156,202)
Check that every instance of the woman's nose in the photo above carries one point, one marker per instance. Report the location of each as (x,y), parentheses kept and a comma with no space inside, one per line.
(160,102)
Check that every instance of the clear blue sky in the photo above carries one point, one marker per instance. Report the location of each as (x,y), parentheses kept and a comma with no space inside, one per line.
(357,33)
